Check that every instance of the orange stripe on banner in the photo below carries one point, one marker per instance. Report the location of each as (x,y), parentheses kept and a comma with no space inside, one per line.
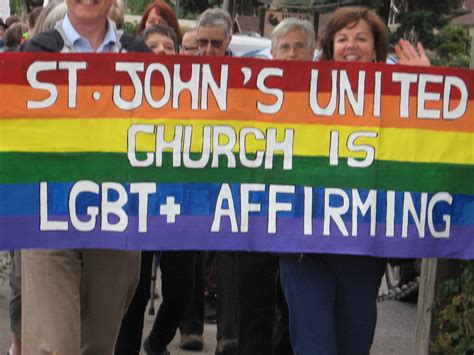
(241,105)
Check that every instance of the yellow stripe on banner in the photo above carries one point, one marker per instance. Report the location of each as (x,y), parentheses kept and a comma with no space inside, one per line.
(110,135)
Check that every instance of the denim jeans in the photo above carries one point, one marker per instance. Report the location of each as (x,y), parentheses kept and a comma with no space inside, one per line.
(332,302)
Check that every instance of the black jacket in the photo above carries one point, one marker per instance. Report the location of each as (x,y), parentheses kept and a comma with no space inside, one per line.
(52,41)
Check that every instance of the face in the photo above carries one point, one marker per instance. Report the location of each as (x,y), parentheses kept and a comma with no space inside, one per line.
(212,40)
(293,46)
(155,19)
(88,12)
(189,43)
(355,43)
(160,44)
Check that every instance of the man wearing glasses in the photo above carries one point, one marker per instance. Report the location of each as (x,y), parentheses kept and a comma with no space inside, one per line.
(214,32)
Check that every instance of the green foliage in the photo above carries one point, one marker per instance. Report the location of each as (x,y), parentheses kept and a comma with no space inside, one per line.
(5,261)
(130,28)
(381,7)
(136,7)
(453,314)
(441,7)
(15,7)
(419,26)
(454,47)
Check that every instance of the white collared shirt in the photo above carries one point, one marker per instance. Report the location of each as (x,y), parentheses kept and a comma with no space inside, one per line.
(81,44)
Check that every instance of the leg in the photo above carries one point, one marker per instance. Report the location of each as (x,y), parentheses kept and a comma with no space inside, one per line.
(227,295)
(257,275)
(210,286)
(109,279)
(51,321)
(15,302)
(309,286)
(177,284)
(358,283)
(191,326)
(281,335)
(129,341)
(193,320)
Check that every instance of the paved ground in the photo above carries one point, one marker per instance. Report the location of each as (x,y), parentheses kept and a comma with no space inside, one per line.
(394,333)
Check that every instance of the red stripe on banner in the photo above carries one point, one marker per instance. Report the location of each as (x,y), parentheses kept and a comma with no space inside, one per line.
(101,71)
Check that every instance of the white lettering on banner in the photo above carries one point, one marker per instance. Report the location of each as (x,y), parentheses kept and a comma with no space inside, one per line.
(199,86)
(449,83)
(217,141)
(45,223)
(353,147)
(337,204)
(36,67)
(108,207)
(246,207)
(346,92)
(225,195)
(144,190)
(278,93)
(232,210)
(274,206)
(207,82)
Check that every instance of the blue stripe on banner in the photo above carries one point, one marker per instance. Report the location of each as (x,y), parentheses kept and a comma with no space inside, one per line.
(200,199)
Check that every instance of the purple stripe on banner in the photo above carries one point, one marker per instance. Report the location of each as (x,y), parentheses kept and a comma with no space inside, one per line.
(19,232)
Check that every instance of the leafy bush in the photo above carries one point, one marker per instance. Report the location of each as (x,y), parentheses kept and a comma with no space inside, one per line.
(453,314)
(419,26)
(129,27)
(5,261)
(454,47)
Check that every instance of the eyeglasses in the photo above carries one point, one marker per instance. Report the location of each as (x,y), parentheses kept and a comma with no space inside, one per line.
(286,47)
(189,48)
(216,43)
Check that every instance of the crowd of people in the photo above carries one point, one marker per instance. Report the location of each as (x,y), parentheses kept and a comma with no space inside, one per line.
(92,302)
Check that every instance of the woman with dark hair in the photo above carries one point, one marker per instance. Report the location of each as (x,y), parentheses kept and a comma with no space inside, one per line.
(347,19)
(332,298)
(159,13)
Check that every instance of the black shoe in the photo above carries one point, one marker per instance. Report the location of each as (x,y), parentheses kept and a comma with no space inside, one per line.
(149,351)
(226,346)
(191,342)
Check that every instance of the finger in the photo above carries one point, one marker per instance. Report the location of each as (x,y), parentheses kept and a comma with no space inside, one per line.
(399,53)
(424,58)
(402,53)
(409,50)
(421,50)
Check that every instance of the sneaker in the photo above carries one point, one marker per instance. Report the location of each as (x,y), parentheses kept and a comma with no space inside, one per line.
(226,346)
(149,351)
(191,342)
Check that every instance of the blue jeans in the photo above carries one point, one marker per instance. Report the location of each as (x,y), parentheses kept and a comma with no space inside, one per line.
(332,302)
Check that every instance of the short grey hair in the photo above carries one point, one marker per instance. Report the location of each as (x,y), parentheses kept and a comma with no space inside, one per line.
(290,24)
(214,18)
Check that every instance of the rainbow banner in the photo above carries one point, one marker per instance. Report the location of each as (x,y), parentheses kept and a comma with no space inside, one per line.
(138,151)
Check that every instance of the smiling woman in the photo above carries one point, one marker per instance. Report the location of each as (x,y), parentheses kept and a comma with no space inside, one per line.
(340,291)
(355,34)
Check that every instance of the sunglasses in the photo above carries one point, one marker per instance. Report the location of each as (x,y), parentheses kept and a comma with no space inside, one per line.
(216,43)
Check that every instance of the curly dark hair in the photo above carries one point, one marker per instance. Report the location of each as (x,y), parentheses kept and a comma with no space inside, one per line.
(345,16)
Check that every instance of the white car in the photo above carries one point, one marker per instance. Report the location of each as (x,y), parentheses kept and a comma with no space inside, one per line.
(250,46)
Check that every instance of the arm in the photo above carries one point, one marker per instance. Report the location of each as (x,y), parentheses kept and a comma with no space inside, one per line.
(408,55)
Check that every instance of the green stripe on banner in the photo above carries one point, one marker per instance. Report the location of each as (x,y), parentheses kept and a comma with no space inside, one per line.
(99,167)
